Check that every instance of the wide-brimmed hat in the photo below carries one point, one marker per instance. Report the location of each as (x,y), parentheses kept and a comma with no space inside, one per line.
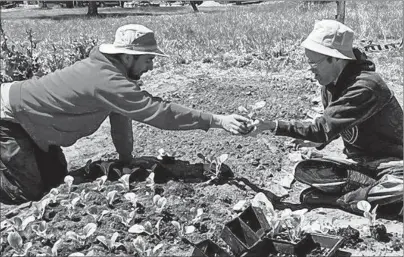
(133,39)
(331,38)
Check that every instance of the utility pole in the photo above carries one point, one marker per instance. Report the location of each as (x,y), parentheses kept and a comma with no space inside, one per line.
(340,11)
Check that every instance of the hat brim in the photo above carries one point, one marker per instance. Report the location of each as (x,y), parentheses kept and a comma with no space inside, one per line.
(112,49)
(319,48)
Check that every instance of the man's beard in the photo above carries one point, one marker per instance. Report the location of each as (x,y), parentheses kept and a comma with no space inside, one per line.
(133,76)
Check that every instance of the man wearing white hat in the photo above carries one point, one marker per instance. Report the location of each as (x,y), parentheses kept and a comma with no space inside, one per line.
(359,108)
(40,115)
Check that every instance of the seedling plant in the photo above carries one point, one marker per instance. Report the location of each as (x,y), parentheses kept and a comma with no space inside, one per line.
(215,162)
(81,238)
(143,249)
(377,231)
(285,223)
(15,241)
(110,243)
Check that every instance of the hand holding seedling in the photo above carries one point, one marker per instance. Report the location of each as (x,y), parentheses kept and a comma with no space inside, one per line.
(256,126)
(234,123)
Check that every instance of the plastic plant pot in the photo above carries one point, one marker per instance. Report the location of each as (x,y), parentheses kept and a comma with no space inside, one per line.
(327,242)
(239,236)
(263,247)
(255,219)
(207,248)
(300,248)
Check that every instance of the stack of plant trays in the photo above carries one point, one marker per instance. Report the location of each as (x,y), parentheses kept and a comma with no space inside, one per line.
(247,235)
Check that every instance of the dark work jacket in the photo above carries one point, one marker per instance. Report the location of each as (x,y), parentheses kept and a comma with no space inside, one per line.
(361,109)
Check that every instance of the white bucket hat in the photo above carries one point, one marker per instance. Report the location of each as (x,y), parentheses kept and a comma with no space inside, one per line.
(331,38)
(132,39)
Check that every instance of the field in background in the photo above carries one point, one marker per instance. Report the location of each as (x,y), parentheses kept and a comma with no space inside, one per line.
(266,30)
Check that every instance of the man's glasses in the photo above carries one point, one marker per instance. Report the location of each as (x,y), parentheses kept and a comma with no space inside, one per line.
(317,63)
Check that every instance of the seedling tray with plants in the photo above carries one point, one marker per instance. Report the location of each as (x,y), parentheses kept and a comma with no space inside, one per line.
(262,231)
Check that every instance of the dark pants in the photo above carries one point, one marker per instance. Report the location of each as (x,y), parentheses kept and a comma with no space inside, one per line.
(26,171)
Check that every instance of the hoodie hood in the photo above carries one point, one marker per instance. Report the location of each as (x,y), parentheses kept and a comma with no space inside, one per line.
(353,69)
(362,62)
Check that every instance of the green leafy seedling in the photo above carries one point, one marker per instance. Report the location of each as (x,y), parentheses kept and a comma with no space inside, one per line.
(20,225)
(70,206)
(94,212)
(69,183)
(15,241)
(132,198)
(142,250)
(183,230)
(51,251)
(139,229)
(88,230)
(99,183)
(150,181)
(125,182)
(253,108)
(40,229)
(39,208)
(111,243)
(159,202)
(370,215)
(111,197)
(125,217)
(218,161)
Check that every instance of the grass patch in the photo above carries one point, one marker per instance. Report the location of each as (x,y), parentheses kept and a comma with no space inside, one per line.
(268,31)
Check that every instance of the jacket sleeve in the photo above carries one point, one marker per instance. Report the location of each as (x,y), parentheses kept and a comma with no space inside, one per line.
(122,135)
(357,104)
(126,98)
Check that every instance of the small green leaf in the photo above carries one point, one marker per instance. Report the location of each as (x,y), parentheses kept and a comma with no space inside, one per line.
(103,240)
(139,244)
(156,198)
(176,224)
(158,226)
(157,250)
(132,198)
(55,247)
(69,180)
(223,158)
(111,196)
(89,229)
(138,229)
(114,237)
(125,181)
(72,235)
(161,202)
(364,206)
(15,241)
(148,228)
(189,229)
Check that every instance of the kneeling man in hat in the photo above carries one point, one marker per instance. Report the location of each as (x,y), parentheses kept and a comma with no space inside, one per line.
(361,109)
(38,116)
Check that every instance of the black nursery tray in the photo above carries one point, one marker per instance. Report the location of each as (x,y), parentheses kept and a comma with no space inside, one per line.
(207,248)
(310,245)
(331,243)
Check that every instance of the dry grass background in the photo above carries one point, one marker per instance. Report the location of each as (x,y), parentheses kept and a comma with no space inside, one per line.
(267,30)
